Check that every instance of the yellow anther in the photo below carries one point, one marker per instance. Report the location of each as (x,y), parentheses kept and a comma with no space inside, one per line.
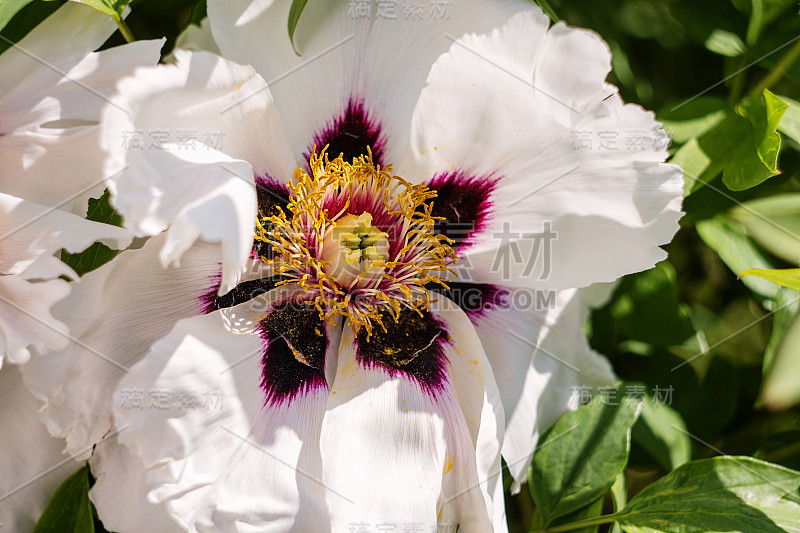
(340,257)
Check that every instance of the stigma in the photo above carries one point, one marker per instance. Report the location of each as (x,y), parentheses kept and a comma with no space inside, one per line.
(354,253)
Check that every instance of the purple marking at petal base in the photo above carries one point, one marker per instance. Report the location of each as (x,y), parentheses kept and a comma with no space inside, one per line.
(209,298)
(243,292)
(413,346)
(464,202)
(284,377)
(476,299)
(351,133)
(271,195)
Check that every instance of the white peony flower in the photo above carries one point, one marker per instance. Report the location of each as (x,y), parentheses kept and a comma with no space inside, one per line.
(53,89)
(334,371)
(50,101)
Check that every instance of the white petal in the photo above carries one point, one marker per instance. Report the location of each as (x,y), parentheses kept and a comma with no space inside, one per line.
(33,466)
(30,231)
(203,97)
(185,151)
(481,404)
(126,305)
(505,108)
(380,59)
(539,356)
(247,464)
(405,454)
(193,194)
(117,472)
(50,101)
(25,319)
(84,28)
(30,160)
(49,109)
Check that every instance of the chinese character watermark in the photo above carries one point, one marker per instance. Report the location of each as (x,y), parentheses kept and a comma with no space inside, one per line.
(393,9)
(510,251)
(615,395)
(165,399)
(631,140)
(180,138)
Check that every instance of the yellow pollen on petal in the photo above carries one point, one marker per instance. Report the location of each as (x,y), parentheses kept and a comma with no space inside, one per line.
(329,241)
(448,463)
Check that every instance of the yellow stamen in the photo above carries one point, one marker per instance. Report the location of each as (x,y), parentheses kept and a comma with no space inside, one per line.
(388,281)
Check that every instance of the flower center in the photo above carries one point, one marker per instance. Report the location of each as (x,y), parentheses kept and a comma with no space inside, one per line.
(358,240)
(354,252)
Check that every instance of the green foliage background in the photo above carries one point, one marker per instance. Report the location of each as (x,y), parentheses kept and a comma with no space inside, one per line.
(728,349)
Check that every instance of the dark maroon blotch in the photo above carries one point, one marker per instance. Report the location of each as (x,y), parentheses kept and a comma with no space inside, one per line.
(412,346)
(272,196)
(465,204)
(351,133)
(243,292)
(475,299)
(292,324)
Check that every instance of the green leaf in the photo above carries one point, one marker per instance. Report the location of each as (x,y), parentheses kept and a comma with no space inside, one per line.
(694,118)
(764,12)
(9,8)
(725,43)
(69,510)
(91,258)
(781,389)
(695,163)
(592,510)
(619,497)
(112,8)
(743,146)
(736,249)
(747,168)
(103,6)
(294,17)
(774,223)
(579,458)
(646,308)
(699,19)
(549,11)
(787,305)
(738,494)
(26,18)
(100,210)
(199,12)
(790,123)
(97,254)
(788,277)
(662,432)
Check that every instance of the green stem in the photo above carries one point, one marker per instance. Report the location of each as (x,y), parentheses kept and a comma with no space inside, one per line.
(123,28)
(776,73)
(545,5)
(596,521)
(738,82)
